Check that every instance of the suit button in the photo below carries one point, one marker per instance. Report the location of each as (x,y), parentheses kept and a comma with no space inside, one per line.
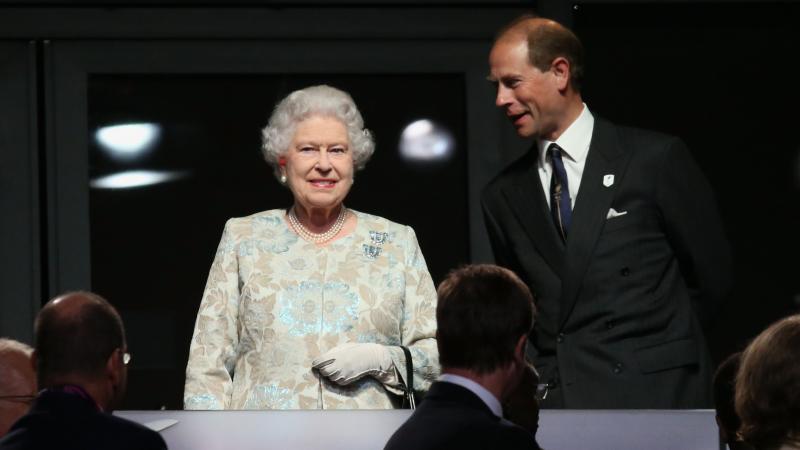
(560,338)
(625,272)
(610,324)
(618,367)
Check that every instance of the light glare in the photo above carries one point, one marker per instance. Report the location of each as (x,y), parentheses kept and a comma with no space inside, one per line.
(426,141)
(128,141)
(134,179)
(418,129)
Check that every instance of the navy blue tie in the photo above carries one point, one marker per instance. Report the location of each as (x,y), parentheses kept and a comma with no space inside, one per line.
(560,202)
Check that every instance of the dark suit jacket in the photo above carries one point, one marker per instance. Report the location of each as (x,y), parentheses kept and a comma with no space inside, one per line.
(59,420)
(452,417)
(618,304)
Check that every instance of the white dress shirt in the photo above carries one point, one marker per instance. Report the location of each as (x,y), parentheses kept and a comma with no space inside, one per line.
(575,145)
(491,401)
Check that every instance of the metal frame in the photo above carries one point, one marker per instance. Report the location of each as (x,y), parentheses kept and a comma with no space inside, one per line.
(20,279)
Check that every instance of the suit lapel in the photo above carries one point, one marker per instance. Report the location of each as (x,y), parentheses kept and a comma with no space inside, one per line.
(594,199)
(527,201)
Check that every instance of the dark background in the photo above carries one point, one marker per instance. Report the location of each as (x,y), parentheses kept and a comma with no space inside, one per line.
(721,75)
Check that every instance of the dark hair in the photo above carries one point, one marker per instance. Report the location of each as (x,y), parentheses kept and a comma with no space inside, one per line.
(481,313)
(548,40)
(78,342)
(724,382)
(768,386)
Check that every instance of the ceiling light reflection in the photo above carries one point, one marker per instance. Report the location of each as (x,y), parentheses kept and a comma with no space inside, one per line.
(134,179)
(426,141)
(128,141)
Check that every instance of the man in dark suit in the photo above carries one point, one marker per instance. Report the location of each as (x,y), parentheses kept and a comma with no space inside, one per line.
(614,229)
(484,314)
(81,359)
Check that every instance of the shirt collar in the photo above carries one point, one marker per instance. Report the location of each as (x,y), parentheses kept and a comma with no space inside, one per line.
(491,401)
(574,140)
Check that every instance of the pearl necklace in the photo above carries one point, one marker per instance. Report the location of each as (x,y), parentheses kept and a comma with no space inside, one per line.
(318,238)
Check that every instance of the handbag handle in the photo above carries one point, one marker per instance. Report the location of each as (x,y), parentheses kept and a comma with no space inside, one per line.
(409,378)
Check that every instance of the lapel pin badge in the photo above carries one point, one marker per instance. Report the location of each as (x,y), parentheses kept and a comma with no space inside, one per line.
(608,180)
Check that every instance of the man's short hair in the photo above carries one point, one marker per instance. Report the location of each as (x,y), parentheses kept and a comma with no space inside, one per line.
(79,343)
(547,40)
(768,386)
(481,313)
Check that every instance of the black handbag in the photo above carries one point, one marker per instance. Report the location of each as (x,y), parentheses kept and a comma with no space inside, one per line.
(409,402)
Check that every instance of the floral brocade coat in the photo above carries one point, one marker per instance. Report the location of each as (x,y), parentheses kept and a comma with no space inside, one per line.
(274,302)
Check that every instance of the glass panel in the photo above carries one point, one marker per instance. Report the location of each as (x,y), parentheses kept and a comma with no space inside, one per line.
(199,139)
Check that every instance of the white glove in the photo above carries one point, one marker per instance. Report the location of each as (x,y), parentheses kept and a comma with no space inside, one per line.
(349,362)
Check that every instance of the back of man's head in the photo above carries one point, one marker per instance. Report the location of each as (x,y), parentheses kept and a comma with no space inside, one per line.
(482,312)
(76,333)
(17,382)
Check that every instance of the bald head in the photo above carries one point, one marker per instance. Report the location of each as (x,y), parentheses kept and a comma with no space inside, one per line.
(17,382)
(75,335)
(546,40)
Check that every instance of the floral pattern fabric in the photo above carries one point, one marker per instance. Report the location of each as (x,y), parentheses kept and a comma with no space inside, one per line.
(274,302)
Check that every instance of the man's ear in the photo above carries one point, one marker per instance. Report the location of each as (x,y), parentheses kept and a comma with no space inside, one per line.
(115,366)
(519,349)
(560,68)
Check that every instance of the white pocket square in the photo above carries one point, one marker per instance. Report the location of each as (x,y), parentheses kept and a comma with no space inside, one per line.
(613,213)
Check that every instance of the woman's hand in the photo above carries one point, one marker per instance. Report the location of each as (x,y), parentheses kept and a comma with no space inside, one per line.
(349,362)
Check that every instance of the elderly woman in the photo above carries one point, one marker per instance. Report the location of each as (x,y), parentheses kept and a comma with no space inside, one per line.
(308,307)
(768,388)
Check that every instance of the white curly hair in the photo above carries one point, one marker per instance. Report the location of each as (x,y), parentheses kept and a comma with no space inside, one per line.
(321,100)
(9,374)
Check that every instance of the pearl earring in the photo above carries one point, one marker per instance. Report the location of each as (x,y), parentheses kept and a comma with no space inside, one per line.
(282,179)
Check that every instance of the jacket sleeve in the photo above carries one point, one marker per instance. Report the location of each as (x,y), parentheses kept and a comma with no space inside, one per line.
(418,327)
(212,353)
(694,229)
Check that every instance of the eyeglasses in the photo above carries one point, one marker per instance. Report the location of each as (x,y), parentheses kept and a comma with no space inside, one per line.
(28,399)
(126,357)
(541,391)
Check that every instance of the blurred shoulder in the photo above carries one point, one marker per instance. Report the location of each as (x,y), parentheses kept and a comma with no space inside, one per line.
(133,434)
(513,436)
